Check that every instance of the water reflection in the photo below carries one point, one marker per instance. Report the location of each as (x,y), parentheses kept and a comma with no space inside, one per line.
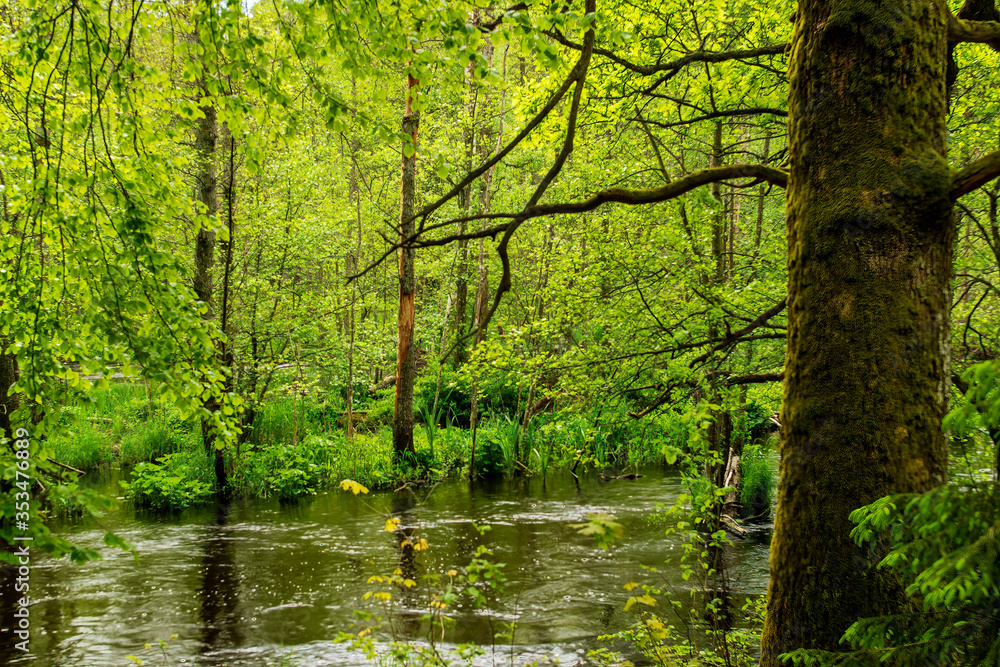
(219,592)
(243,584)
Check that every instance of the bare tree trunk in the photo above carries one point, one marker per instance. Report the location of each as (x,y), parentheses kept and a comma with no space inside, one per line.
(8,361)
(482,291)
(402,427)
(206,136)
(354,194)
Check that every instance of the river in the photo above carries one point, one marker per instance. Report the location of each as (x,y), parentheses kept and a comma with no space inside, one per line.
(253,582)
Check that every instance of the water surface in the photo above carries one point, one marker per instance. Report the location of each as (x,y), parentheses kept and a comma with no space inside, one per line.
(246,584)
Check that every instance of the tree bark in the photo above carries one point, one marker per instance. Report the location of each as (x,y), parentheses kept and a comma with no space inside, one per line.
(354,195)
(8,402)
(402,426)
(207,192)
(869,261)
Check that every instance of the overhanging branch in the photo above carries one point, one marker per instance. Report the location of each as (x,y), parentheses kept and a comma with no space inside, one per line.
(977,174)
(671,190)
(726,113)
(978,32)
(683,61)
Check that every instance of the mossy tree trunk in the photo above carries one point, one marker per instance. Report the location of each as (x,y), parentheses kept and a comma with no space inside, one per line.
(869,261)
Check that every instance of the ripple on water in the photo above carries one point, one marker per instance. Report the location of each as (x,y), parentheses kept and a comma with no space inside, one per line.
(242,587)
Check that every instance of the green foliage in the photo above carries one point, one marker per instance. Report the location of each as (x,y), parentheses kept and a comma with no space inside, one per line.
(758,480)
(381,410)
(945,545)
(602,527)
(173,482)
(150,440)
(288,472)
(82,447)
(273,422)
(454,399)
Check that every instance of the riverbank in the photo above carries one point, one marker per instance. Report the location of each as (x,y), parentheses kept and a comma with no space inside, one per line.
(296,448)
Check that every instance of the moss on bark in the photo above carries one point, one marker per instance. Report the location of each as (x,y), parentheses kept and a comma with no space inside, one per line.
(869,261)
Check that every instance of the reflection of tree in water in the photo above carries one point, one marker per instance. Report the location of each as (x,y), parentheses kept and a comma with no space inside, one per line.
(405,535)
(220,589)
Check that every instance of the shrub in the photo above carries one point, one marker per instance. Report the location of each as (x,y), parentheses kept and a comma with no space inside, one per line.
(172,482)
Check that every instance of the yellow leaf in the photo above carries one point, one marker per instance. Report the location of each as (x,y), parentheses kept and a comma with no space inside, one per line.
(630,586)
(353,487)
(391,524)
(409,583)
(421,545)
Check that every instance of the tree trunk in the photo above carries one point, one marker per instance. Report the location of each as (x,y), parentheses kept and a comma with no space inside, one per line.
(206,135)
(869,262)
(402,426)
(482,291)
(8,402)
(354,195)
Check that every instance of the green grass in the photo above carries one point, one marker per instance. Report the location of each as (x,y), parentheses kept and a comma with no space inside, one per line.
(127,424)
(758,479)
(119,424)
(84,446)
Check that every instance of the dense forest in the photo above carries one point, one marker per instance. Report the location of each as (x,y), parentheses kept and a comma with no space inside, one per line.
(287,249)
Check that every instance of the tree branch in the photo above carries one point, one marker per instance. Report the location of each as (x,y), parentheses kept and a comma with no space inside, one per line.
(580,76)
(736,336)
(683,61)
(752,111)
(755,378)
(665,192)
(977,174)
(978,32)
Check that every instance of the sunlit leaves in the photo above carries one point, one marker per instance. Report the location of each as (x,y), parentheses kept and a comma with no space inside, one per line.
(355,488)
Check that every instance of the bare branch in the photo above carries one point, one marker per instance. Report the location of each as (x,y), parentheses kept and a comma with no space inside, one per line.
(580,75)
(683,61)
(665,192)
(573,77)
(729,113)
(977,174)
(736,336)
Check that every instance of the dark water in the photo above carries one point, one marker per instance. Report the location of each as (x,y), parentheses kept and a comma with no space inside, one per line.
(250,583)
